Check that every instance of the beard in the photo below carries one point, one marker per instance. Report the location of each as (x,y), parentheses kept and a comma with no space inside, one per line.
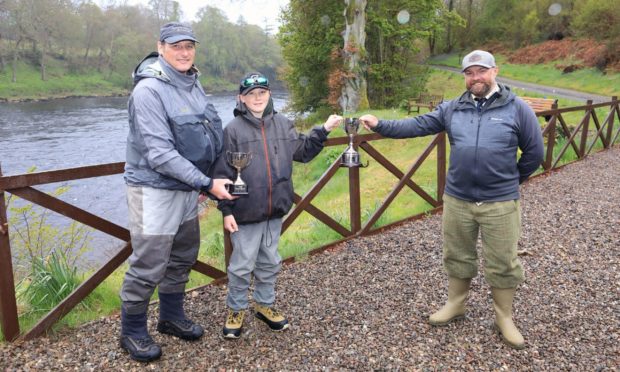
(479,89)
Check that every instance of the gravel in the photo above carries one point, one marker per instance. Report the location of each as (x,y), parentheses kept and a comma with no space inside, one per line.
(363,305)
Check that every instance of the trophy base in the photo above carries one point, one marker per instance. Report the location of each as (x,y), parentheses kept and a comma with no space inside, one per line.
(237,190)
(351,160)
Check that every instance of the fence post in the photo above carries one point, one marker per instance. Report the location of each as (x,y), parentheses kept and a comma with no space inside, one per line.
(584,130)
(227,247)
(610,125)
(354,199)
(8,306)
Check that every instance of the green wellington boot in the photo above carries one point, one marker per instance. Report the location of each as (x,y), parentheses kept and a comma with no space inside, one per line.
(502,303)
(455,306)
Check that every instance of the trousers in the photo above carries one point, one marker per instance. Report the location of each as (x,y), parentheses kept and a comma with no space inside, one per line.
(255,251)
(165,237)
(498,224)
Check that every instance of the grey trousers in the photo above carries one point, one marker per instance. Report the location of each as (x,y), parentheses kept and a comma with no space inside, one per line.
(165,237)
(255,251)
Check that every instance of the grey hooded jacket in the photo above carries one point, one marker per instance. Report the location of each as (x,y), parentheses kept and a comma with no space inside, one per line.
(483,144)
(175,135)
(274,144)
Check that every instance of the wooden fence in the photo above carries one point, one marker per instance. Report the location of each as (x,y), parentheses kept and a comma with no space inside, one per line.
(581,138)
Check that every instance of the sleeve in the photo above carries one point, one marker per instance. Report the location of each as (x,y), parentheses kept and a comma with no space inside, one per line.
(422,125)
(530,141)
(308,146)
(151,123)
(222,169)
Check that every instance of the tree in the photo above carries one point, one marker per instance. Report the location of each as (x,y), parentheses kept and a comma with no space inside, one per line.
(165,11)
(354,87)
(394,45)
(309,34)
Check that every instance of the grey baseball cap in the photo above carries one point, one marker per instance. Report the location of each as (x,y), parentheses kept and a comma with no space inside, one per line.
(174,32)
(478,58)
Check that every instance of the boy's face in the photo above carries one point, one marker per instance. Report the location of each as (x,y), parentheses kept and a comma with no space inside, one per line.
(256,101)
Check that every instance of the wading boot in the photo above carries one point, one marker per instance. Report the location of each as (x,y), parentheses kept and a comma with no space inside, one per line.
(502,304)
(135,338)
(455,306)
(172,320)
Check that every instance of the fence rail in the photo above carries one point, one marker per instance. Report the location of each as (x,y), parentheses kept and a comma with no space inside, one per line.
(581,139)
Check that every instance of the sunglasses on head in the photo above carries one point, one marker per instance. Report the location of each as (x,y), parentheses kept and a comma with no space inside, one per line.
(254,80)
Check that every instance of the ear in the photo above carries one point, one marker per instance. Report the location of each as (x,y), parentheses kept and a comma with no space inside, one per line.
(160,47)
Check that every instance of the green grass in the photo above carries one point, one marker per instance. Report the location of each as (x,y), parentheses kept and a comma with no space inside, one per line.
(58,84)
(585,80)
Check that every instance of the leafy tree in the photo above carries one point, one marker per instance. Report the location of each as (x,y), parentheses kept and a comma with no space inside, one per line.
(309,34)
(394,71)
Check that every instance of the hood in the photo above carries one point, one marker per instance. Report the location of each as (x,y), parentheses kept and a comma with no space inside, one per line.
(149,67)
(242,110)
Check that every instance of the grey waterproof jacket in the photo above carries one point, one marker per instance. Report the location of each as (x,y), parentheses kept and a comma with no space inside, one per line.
(483,144)
(274,144)
(175,135)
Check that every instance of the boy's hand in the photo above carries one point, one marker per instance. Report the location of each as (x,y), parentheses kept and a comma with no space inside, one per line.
(369,121)
(332,122)
(230,224)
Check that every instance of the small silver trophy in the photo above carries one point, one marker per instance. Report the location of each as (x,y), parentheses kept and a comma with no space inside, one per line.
(238,160)
(351,158)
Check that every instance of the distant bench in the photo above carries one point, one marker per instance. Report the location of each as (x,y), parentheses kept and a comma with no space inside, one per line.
(540,104)
(427,100)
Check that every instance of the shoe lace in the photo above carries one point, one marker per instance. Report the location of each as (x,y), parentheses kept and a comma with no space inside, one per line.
(184,323)
(144,342)
(273,312)
(235,317)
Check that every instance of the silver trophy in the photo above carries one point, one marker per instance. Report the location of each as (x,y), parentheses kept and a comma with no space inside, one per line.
(351,158)
(238,160)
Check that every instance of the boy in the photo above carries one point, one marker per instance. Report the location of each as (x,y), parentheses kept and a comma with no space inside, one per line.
(255,220)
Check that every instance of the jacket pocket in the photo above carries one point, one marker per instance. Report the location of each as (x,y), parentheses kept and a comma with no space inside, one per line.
(194,141)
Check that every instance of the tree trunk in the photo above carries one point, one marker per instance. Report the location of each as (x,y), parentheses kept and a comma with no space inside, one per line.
(354,94)
(43,54)
(449,29)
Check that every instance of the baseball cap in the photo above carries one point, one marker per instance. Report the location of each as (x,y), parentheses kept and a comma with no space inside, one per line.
(174,32)
(478,58)
(252,81)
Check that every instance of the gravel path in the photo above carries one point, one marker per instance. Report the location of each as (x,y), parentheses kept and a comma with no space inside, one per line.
(364,305)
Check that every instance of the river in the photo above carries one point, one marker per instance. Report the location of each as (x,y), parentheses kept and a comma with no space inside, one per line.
(73,132)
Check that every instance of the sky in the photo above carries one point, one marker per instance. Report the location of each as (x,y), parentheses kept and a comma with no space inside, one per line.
(258,12)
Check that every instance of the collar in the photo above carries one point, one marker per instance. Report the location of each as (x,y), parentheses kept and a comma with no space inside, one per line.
(493,91)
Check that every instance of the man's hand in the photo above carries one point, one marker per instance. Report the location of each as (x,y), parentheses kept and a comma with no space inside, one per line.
(230,224)
(369,121)
(219,191)
(332,122)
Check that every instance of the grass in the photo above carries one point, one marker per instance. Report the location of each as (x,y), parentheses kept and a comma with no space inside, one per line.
(29,85)
(588,80)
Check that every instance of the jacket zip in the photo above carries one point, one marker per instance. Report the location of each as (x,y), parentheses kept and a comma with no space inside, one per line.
(262,129)
(476,151)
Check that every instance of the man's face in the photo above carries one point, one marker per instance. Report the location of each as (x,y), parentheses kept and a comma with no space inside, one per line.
(256,100)
(480,80)
(179,55)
